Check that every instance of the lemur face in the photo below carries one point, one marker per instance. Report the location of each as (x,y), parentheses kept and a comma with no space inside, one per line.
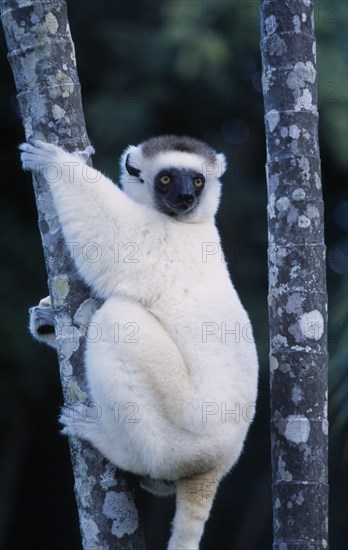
(177,190)
(177,176)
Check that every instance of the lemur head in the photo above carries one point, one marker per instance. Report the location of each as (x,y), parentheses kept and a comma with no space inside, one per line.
(176,175)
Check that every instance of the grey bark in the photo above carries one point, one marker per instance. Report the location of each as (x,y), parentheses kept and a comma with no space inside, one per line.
(297,285)
(41,54)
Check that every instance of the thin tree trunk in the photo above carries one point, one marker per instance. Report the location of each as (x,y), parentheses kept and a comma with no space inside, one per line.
(297,285)
(41,54)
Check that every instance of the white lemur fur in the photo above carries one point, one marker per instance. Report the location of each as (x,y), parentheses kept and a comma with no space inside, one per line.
(184,371)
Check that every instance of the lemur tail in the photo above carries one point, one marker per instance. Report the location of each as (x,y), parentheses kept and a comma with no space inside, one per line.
(194,499)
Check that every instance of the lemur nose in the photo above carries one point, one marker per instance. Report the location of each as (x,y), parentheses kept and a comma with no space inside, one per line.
(186,198)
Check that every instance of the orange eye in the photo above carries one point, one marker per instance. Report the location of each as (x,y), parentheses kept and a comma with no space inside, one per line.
(198,182)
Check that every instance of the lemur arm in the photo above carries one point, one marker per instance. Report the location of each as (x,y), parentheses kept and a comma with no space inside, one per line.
(92,210)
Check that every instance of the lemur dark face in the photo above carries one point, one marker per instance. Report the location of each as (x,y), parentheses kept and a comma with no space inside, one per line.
(177,190)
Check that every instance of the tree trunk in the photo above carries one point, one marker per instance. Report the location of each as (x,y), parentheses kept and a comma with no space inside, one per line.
(41,54)
(297,286)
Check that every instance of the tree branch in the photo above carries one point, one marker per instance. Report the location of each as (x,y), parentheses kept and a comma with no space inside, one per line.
(41,54)
(297,284)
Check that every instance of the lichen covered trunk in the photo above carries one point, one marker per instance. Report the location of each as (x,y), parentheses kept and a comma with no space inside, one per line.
(297,283)
(42,57)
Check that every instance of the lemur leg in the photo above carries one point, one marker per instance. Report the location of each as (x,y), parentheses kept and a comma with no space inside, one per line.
(194,499)
(134,339)
(135,374)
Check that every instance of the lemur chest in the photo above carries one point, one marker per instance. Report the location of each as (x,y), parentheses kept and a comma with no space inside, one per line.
(166,278)
(166,270)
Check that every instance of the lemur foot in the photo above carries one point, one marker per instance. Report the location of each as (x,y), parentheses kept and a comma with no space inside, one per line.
(79,420)
(41,322)
(84,422)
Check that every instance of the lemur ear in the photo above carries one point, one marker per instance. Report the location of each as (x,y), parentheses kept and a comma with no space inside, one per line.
(132,170)
(222,163)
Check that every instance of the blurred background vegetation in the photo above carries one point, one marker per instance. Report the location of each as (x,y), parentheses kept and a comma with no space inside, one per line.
(147,68)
